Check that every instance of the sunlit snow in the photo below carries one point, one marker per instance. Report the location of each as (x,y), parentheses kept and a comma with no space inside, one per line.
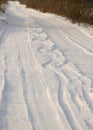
(46,72)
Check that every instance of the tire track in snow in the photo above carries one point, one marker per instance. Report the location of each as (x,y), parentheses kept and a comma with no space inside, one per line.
(67,113)
(70,117)
(23,70)
(10,91)
(79,84)
(64,105)
(23,80)
(76,77)
(46,64)
(2,75)
(39,49)
(2,36)
(3,108)
(4,85)
(4,92)
(51,62)
(3,97)
(47,56)
(43,49)
(23,77)
(62,76)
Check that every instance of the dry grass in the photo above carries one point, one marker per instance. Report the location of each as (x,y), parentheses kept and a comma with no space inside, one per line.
(73,9)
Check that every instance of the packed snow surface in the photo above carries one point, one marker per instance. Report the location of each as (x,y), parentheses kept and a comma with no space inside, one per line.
(46,72)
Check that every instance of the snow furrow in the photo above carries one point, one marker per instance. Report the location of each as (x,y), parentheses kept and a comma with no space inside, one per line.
(42,79)
(52,62)
(46,73)
(70,117)
(23,80)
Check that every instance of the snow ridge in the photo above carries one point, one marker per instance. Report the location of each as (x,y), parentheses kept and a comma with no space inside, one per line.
(41,87)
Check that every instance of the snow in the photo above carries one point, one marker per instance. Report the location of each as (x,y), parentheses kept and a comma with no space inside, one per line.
(46,72)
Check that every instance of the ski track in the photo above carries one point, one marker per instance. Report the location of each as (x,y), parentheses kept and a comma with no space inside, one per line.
(39,88)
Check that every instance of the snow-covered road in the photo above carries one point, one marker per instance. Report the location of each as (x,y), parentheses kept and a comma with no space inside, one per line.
(46,72)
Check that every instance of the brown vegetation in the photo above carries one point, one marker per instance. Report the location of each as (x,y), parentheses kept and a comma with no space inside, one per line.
(2,2)
(76,10)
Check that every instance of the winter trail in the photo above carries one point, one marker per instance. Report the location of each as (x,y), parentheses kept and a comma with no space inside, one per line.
(45,77)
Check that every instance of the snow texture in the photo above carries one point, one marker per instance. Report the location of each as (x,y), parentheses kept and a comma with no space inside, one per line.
(46,72)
